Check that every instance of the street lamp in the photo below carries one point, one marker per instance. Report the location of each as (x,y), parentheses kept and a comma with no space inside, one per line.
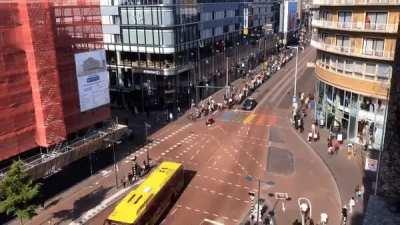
(268,183)
(304,206)
(146,126)
(111,143)
(295,76)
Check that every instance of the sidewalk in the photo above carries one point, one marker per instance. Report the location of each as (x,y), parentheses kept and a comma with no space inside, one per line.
(346,169)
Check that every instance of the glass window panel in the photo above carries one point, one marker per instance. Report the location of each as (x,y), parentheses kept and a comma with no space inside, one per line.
(332,62)
(140,37)
(349,66)
(370,68)
(131,16)
(132,36)
(149,37)
(155,16)
(340,65)
(139,16)
(358,68)
(167,17)
(156,37)
(124,16)
(384,70)
(147,17)
(168,37)
(125,36)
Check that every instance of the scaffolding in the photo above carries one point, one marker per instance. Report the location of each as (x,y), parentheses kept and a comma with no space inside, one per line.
(63,153)
(39,100)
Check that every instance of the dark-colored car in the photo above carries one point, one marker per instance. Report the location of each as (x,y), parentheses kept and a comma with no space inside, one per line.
(249,104)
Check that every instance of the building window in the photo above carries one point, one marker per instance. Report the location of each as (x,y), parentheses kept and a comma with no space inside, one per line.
(384,72)
(206,16)
(348,68)
(343,42)
(124,16)
(370,71)
(132,36)
(375,20)
(358,68)
(344,19)
(125,36)
(373,46)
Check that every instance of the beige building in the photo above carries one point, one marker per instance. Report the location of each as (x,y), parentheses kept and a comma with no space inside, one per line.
(356,49)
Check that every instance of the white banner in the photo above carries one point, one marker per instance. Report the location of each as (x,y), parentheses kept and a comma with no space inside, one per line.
(93,80)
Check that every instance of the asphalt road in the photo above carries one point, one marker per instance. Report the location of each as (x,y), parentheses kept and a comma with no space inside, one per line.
(260,144)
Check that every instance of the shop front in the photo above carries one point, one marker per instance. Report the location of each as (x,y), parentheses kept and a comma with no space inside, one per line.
(351,116)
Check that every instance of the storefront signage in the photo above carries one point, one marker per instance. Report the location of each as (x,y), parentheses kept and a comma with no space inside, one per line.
(152,72)
(93,80)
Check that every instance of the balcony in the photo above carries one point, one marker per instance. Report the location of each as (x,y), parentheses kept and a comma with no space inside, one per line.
(362,86)
(351,51)
(355,2)
(357,26)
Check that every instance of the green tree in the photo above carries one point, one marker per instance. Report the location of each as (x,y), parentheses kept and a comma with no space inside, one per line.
(18,193)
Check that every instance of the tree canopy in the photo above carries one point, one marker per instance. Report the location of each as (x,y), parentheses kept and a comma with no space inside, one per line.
(18,193)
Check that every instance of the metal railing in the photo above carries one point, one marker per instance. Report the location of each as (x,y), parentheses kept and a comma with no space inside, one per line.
(356,2)
(357,26)
(62,148)
(349,50)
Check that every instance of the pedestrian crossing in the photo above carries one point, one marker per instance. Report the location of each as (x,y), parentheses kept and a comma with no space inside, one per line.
(258,119)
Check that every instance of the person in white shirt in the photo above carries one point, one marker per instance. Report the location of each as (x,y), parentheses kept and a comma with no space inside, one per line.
(352,203)
(324,218)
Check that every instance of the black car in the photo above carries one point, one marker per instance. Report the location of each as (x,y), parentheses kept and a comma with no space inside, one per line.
(249,104)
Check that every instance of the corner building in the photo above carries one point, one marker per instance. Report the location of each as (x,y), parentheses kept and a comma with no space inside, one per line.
(160,50)
(356,42)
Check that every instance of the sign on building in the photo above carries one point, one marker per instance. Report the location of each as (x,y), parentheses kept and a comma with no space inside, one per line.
(93,80)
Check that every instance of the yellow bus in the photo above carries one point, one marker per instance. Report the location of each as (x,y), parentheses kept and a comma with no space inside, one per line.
(146,204)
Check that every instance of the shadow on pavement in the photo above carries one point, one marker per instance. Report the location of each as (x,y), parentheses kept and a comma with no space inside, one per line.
(357,218)
(188,176)
(83,204)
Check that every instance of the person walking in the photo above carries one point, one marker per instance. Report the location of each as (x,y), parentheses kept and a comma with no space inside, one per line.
(344,214)
(361,192)
(324,218)
(352,203)
(123,182)
(356,192)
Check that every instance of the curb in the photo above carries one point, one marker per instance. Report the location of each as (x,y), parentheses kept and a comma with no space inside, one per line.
(333,177)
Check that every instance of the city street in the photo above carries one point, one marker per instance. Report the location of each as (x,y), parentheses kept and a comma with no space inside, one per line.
(260,144)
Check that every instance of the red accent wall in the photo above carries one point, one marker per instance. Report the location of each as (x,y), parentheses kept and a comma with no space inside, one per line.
(39,103)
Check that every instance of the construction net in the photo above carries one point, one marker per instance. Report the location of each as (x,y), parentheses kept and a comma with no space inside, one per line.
(39,101)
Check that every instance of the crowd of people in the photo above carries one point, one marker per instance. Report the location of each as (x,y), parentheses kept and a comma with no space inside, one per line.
(236,95)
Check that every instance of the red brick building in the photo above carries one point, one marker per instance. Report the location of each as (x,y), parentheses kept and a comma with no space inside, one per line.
(39,100)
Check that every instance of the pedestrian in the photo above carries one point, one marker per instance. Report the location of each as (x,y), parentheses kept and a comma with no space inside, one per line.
(352,203)
(361,192)
(123,182)
(301,125)
(344,214)
(309,137)
(357,191)
(311,222)
(324,218)
(130,178)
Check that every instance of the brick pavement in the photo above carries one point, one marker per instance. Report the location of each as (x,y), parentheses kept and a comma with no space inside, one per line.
(346,170)
(170,129)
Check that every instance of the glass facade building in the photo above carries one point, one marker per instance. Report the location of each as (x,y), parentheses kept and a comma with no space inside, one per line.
(159,51)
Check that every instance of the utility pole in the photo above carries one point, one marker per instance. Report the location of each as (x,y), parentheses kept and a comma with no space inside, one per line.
(227,88)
